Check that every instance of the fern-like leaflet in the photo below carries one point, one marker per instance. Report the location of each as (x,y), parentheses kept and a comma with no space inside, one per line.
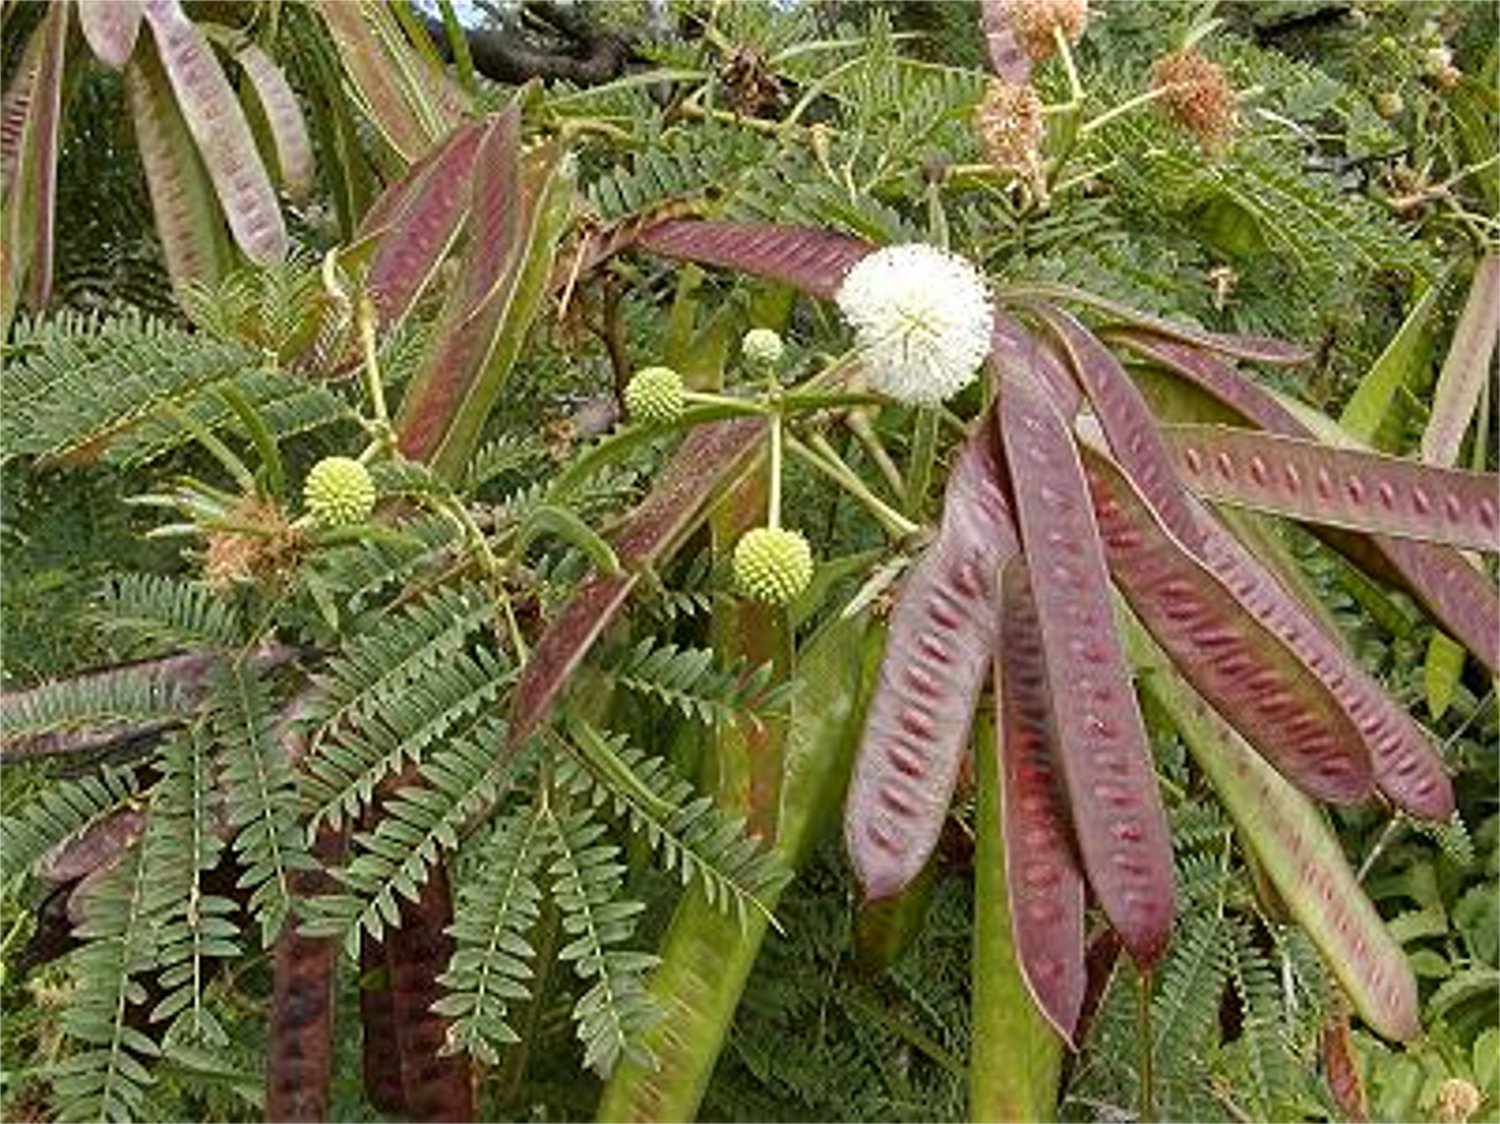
(686,678)
(374,667)
(63,812)
(463,779)
(167,611)
(349,765)
(588,875)
(691,833)
(262,796)
(491,964)
(194,927)
(106,1078)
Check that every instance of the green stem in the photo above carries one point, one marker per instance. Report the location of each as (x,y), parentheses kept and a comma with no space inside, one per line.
(1118,111)
(858,422)
(827,461)
(773,503)
(1147,1048)
(458,43)
(385,435)
(923,457)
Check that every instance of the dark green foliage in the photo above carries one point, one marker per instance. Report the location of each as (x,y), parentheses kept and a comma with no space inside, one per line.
(419,823)
(157,611)
(77,378)
(350,763)
(568,854)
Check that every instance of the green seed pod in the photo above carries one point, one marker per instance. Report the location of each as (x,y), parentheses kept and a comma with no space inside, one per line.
(339,492)
(772,565)
(655,394)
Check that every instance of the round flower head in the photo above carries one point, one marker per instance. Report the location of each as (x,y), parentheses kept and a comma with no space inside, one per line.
(921,320)
(1197,95)
(339,492)
(1036,22)
(762,348)
(654,394)
(772,564)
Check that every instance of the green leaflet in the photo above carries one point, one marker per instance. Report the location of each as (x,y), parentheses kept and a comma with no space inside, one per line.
(1372,398)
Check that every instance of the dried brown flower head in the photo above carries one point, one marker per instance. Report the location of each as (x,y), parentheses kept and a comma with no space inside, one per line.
(1034,23)
(1197,95)
(263,556)
(1457,1100)
(1011,128)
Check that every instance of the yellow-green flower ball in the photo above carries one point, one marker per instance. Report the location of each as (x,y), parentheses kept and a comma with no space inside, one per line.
(772,565)
(339,492)
(654,394)
(762,348)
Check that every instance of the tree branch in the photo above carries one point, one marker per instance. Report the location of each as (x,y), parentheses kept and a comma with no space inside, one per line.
(589,55)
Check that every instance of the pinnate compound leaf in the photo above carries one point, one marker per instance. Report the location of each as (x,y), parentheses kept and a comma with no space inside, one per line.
(1106,760)
(1042,878)
(940,642)
(218,126)
(1300,856)
(1315,483)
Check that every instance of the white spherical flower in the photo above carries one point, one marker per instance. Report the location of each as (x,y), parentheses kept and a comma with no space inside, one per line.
(921,320)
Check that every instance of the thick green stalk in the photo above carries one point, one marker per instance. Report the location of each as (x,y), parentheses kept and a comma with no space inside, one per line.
(1015,1059)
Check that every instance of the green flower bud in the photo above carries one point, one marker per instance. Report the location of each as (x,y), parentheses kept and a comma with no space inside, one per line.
(654,394)
(762,348)
(772,565)
(339,492)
